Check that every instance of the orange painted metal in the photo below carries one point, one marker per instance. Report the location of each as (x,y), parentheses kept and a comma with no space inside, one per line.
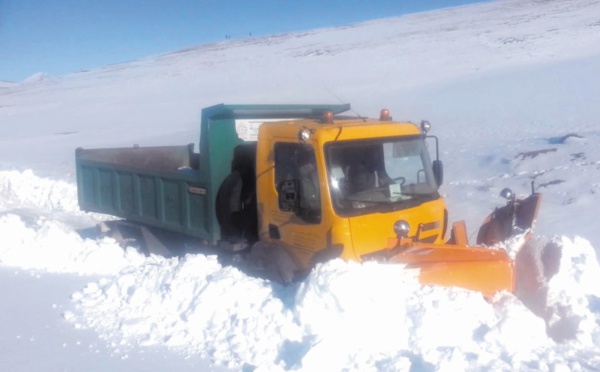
(480,269)
(455,264)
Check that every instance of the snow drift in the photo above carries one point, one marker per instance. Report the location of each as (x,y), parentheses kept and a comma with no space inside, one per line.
(342,316)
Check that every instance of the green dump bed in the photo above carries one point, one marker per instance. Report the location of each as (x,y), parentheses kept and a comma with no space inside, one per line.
(172,187)
(156,186)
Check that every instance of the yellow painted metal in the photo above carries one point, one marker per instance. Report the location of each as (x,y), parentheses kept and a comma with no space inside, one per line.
(301,239)
(372,232)
(357,235)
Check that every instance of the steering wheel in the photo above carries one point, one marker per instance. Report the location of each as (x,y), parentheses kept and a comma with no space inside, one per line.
(402,179)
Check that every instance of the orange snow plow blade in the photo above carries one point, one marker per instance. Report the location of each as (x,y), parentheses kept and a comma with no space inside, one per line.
(480,269)
(456,264)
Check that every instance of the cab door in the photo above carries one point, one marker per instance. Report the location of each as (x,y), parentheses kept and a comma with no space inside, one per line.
(294,214)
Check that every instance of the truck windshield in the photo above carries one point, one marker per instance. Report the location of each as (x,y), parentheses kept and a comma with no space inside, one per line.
(383,174)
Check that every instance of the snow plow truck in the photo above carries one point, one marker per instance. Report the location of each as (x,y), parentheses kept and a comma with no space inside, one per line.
(295,185)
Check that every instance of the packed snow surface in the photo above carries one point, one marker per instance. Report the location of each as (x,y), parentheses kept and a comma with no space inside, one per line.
(511,88)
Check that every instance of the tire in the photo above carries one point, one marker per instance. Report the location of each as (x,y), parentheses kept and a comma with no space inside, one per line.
(236,209)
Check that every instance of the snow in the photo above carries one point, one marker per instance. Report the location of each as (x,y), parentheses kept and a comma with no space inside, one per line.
(37,78)
(6,84)
(510,88)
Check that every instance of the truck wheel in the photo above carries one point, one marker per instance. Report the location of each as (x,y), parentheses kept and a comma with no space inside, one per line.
(272,262)
(236,208)
(229,206)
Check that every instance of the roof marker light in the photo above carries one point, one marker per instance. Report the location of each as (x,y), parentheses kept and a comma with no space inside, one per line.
(384,115)
(327,117)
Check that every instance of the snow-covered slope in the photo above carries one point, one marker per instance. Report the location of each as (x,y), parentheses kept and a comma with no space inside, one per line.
(371,65)
(511,89)
(6,84)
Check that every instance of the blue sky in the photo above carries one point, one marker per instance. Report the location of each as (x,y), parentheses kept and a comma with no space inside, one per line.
(64,36)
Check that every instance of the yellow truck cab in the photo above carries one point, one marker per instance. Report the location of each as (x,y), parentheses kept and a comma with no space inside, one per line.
(340,187)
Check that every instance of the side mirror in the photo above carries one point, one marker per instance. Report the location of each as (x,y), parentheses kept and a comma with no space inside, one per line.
(288,195)
(438,172)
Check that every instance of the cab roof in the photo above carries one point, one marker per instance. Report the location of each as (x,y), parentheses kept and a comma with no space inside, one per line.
(298,111)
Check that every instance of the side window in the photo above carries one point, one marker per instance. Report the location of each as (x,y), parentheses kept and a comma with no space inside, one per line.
(296,176)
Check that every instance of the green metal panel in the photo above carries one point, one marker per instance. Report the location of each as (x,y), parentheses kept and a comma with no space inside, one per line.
(172,201)
(147,196)
(198,212)
(126,195)
(105,183)
(87,186)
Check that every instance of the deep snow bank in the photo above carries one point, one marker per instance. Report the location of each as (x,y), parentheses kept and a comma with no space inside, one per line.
(38,217)
(190,303)
(565,293)
(347,315)
(50,245)
(26,190)
(343,316)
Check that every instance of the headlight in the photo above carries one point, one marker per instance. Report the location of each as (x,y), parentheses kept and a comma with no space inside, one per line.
(304,134)
(425,126)
(507,194)
(401,228)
